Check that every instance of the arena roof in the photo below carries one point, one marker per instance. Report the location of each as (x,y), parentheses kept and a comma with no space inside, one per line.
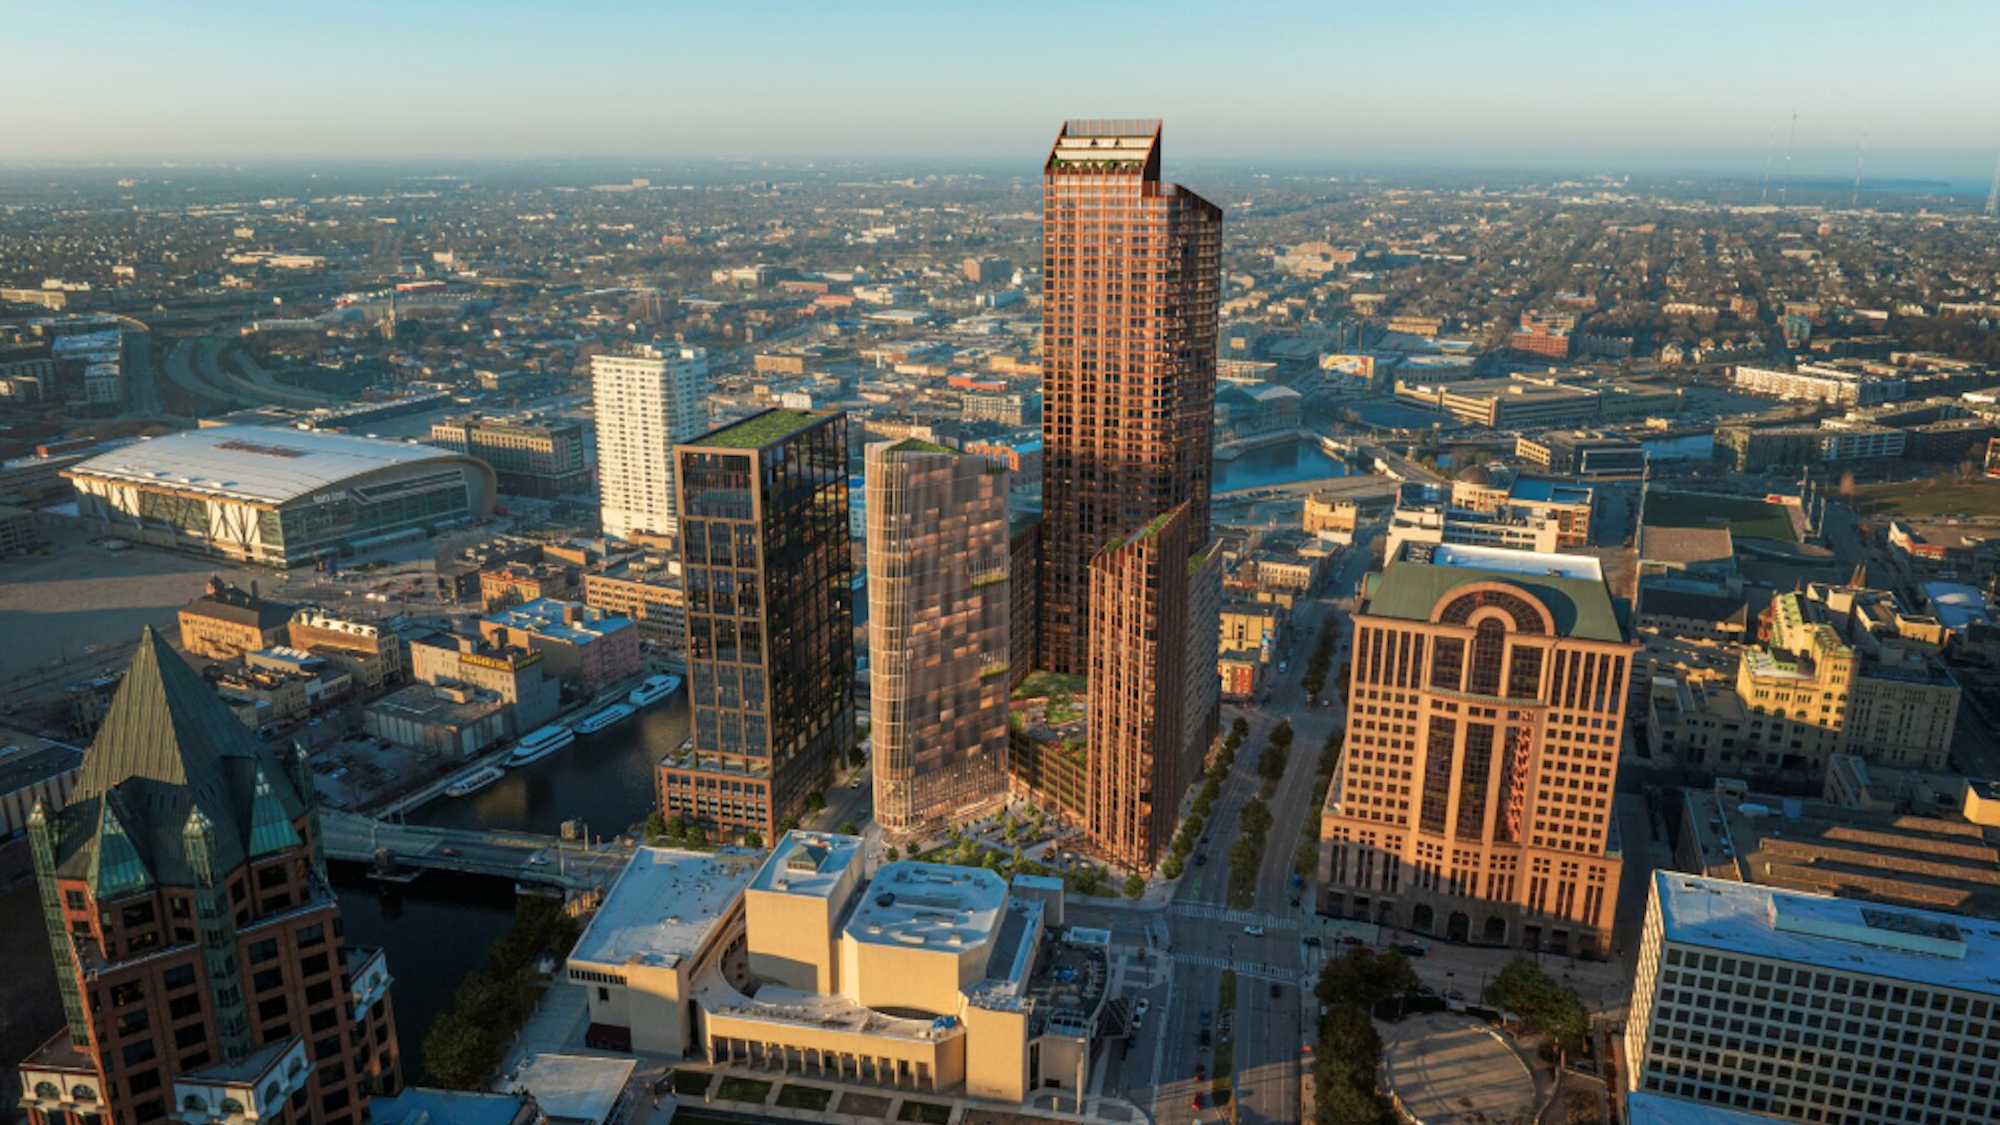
(254,464)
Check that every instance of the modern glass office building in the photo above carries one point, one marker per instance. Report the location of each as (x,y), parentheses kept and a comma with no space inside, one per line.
(770,620)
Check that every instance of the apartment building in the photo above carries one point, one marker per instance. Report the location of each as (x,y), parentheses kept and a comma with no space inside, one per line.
(648,400)
(533,457)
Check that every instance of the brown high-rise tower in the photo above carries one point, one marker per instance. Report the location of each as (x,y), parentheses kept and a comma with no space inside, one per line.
(1131,278)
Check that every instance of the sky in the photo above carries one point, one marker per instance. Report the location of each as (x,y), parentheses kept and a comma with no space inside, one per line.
(1700,86)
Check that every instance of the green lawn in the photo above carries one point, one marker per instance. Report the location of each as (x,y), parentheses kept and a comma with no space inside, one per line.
(1922,499)
(1745,517)
(734,1089)
(1042,683)
(929,1113)
(805,1097)
(691,1083)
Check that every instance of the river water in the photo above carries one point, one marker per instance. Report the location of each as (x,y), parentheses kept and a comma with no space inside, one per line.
(1276,464)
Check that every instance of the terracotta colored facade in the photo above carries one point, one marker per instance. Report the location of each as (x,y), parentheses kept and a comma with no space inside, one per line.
(199,950)
(939,604)
(1131,284)
(1474,799)
(1138,649)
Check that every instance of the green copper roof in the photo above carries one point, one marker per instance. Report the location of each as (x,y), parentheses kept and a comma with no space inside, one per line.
(760,430)
(1411,590)
(270,825)
(169,746)
(116,869)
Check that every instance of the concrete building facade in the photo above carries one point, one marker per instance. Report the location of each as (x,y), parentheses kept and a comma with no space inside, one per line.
(648,400)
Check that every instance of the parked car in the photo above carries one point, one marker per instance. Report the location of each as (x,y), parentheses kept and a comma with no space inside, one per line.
(1254,931)
(1411,948)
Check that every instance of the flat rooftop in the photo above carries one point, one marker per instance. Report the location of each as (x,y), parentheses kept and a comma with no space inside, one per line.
(548,617)
(1583,568)
(257,464)
(1658,1109)
(1542,490)
(421,1105)
(807,864)
(1839,934)
(663,905)
(575,1088)
(929,906)
(760,430)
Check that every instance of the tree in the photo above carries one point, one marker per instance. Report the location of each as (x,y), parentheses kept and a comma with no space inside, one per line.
(459,1053)
(1087,880)
(856,757)
(1135,885)
(789,823)
(1173,867)
(753,839)
(1281,735)
(1255,817)
(1364,982)
(815,801)
(695,837)
(892,854)
(1007,825)
(1543,1005)
(1240,729)
(656,825)
(488,1000)
(849,828)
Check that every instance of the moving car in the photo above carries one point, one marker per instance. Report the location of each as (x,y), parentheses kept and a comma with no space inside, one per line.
(1254,931)
(1411,948)
(1142,1007)
(448,851)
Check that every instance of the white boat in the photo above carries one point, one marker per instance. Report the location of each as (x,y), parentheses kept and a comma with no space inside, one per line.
(474,781)
(591,724)
(539,744)
(653,689)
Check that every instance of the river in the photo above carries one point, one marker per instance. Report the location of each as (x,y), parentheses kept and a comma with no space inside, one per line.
(1270,465)
(439,927)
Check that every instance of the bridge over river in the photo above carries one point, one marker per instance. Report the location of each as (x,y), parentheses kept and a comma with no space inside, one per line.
(402,851)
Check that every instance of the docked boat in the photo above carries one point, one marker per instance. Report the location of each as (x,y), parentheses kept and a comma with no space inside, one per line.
(598,721)
(474,781)
(653,689)
(539,744)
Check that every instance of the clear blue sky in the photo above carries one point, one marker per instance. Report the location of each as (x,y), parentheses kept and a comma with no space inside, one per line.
(1611,85)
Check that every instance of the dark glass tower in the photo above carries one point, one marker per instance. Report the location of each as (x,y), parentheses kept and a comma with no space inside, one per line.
(770,620)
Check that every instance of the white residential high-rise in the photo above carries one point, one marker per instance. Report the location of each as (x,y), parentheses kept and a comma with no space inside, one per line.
(648,399)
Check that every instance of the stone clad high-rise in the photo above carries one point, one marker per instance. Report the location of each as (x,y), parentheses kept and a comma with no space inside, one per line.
(1131,282)
(939,599)
(197,945)
(1474,798)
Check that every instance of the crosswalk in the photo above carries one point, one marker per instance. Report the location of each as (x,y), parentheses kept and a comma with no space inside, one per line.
(1255,970)
(1211,912)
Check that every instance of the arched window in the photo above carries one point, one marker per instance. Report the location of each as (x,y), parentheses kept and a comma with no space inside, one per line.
(194,1104)
(1489,651)
(48,1091)
(83,1093)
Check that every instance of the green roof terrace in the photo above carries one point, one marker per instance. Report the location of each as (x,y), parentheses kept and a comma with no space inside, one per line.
(760,430)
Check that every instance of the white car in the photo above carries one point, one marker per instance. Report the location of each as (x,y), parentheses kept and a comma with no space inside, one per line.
(1142,1007)
(1254,931)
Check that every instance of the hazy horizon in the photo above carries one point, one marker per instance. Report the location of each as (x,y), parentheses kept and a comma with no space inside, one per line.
(1705,88)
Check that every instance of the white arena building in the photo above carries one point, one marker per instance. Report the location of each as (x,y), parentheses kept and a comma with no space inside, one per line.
(278,497)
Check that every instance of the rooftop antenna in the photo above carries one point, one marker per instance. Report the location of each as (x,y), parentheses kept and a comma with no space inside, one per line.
(1791,143)
(1860,159)
(1993,196)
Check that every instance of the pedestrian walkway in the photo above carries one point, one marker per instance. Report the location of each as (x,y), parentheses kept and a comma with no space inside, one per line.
(1256,970)
(1213,912)
(554,1026)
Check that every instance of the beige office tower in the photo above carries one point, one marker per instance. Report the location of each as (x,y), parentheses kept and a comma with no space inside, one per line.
(648,400)
(939,601)
(1473,800)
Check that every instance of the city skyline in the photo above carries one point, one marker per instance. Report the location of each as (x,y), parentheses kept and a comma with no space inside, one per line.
(1711,90)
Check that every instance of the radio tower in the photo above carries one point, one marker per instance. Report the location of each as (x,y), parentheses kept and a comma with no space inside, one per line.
(1791,142)
(1860,159)
(1993,196)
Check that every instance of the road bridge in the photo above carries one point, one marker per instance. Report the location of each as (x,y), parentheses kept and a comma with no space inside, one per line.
(403,850)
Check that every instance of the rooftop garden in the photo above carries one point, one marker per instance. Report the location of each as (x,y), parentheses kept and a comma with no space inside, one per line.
(759,430)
